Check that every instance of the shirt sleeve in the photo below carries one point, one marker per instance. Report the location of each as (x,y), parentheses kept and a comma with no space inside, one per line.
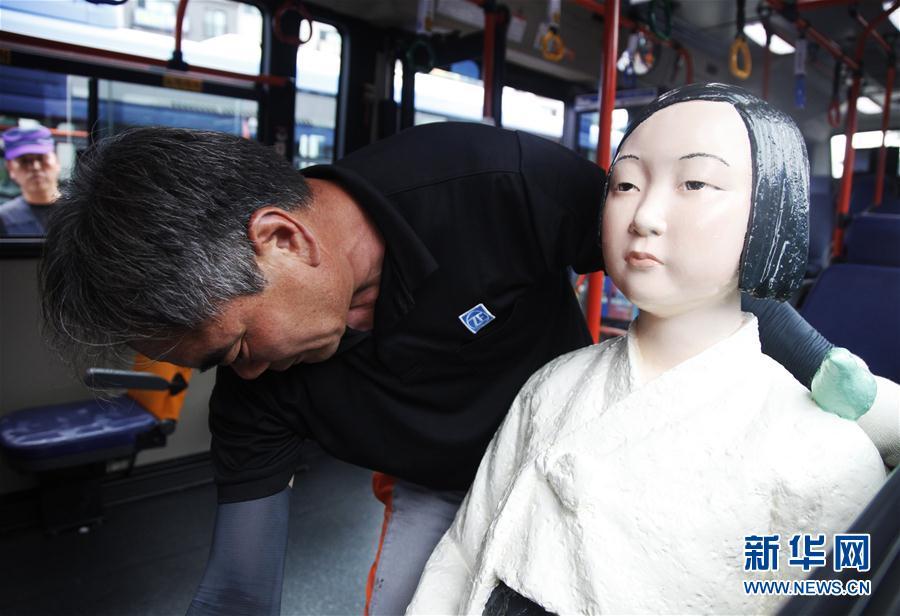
(824,493)
(448,577)
(257,430)
(565,193)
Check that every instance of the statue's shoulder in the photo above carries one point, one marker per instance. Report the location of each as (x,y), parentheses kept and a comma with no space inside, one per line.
(574,364)
(811,443)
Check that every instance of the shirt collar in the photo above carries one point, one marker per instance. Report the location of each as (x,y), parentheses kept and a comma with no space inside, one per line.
(706,370)
(407,261)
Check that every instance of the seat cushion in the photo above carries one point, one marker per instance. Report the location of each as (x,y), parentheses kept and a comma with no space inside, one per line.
(76,432)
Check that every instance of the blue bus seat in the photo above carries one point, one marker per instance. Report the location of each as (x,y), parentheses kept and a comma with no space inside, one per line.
(72,447)
(862,194)
(57,436)
(874,239)
(855,306)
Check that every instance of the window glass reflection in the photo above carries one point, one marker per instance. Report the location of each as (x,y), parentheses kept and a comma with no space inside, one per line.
(315,110)
(43,117)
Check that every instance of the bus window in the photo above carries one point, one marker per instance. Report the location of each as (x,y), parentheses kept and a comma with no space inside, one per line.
(57,101)
(443,96)
(129,104)
(589,132)
(534,114)
(861,141)
(315,110)
(220,34)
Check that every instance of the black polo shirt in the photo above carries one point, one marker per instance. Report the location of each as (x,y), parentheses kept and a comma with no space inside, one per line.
(472,217)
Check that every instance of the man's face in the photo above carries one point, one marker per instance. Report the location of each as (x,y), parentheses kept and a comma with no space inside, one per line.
(299,317)
(35,173)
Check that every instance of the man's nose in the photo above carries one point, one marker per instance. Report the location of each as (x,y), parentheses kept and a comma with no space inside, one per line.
(650,216)
(249,370)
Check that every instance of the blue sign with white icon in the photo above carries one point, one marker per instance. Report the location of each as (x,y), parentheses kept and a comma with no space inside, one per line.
(475,318)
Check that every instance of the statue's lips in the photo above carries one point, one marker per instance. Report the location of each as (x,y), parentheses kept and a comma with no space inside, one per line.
(642,260)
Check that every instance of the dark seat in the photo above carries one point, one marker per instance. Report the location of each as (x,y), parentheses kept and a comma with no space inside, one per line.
(862,194)
(855,306)
(72,447)
(874,239)
(63,435)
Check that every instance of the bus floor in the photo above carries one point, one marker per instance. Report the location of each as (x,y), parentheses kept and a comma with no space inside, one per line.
(148,556)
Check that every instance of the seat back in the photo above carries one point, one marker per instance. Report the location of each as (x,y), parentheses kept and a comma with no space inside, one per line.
(874,239)
(862,192)
(855,306)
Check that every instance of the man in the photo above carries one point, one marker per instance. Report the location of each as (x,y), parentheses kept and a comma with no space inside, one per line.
(389,306)
(32,164)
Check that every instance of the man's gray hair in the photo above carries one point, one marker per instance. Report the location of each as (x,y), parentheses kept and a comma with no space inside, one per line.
(149,239)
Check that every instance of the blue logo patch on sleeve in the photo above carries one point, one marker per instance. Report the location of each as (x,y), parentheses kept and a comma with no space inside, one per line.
(476,317)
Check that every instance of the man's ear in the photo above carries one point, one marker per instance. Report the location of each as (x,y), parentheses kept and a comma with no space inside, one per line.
(273,229)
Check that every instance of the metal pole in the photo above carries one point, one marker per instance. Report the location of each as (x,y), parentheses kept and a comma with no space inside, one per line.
(885,121)
(607,104)
(843,205)
(487,66)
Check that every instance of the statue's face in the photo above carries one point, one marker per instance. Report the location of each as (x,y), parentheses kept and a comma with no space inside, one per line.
(678,206)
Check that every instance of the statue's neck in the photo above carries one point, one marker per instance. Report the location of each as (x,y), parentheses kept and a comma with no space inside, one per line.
(667,339)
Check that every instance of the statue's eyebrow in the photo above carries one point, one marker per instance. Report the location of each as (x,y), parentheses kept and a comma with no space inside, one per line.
(624,157)
(704,154)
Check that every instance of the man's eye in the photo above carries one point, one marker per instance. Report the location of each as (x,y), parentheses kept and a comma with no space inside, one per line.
(625,187)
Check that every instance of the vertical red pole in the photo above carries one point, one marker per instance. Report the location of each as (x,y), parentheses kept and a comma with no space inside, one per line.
(179,24)
(843,205)
(487,65)
(885,120)
(607,104)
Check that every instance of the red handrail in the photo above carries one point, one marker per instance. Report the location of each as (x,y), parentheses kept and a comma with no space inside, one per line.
(874,34)
(487,66)
(56,132)
(808,5)
(823,41)
(103,54)
(625,22)
(882,153)
(607,103)
(843,205)
(179,25)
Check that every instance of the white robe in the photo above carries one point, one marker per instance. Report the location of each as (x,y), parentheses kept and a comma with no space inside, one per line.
(598,495)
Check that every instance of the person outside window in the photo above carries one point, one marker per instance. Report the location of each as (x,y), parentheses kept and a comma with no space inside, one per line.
(32,164)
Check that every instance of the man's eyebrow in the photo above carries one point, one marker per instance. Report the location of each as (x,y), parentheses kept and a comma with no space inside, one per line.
(705,155)
(215,358)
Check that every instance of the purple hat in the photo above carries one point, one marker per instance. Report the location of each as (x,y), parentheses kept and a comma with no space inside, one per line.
(18,141)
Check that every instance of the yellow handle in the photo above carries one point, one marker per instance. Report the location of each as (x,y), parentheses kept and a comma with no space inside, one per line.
(740,50)
(552,46)
(159,403)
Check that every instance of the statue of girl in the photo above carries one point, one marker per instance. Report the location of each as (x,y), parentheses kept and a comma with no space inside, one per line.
(632,476)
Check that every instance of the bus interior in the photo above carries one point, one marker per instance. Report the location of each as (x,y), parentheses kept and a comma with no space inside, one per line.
(125,527)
